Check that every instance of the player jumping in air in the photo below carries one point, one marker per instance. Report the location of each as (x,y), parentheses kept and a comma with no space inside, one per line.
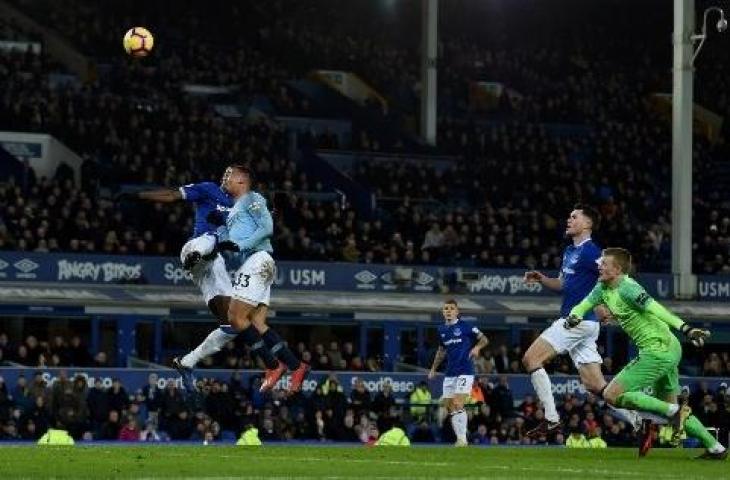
(248,231)
(459,343)
(578,275)
(647,323)
(212,204)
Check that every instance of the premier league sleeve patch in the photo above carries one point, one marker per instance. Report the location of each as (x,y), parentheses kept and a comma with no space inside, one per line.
(642,299)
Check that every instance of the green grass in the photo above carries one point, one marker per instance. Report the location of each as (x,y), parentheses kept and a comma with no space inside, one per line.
(271,462)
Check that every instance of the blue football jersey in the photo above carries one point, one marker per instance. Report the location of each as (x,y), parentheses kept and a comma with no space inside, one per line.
(458,339)
(580,274)
(206,197)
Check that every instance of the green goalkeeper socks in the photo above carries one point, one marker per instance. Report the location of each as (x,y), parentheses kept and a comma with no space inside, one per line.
(694,428)
(642,401)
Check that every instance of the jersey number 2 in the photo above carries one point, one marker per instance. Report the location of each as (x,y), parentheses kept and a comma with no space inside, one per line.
(242,280)
(461,382)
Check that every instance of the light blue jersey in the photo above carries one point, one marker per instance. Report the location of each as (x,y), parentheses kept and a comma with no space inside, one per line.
(249,225)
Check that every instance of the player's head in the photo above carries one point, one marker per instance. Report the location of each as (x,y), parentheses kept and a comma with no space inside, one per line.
(450,310)
(613,263)
(237,180)
(583,219)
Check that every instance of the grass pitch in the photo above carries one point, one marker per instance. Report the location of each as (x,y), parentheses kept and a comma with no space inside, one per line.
(272,462)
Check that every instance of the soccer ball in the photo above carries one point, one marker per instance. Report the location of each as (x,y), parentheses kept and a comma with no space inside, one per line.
(138,42)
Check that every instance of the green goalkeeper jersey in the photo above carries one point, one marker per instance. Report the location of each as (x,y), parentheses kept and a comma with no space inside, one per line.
(644,319)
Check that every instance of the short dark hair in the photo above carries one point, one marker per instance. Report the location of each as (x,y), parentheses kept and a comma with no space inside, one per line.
(452,302)
(621,256)
(591,213)
(245,169)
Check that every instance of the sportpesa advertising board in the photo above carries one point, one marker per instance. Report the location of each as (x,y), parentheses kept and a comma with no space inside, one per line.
(401,383)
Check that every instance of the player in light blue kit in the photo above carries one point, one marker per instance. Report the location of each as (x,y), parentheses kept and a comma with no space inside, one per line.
(459,343)
(248,231)
(212,203)
(578,275)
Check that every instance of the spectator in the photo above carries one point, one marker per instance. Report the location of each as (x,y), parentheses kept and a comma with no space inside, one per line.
(78,354)
(480,436)
(179,426)
(22,395)
(110,429)
(421,396)
(334,353)
(360,397)
(130,431)
(502,359)
(384,400)
(98,403)
(117,397)
(100,360)
(152,394)
(150,433)
(503,401)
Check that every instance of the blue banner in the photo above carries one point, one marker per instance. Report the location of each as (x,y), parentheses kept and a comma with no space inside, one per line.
(347,277)
(713,287)
(402,383)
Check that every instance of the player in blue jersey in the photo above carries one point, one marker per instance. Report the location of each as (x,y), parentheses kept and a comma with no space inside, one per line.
(459,344)
(248,230)
(211,202)
(578,275)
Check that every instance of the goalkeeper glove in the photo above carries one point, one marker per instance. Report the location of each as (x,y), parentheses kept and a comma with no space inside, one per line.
(695,335)
(572,321)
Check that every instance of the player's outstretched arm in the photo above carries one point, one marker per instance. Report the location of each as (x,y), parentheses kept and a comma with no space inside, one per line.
(695,335)
(163,195)
(533,276)
(587,304)
(661,312)
(437,359)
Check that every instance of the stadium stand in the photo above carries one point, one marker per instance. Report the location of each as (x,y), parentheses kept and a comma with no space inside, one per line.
(619,154)
(493,194)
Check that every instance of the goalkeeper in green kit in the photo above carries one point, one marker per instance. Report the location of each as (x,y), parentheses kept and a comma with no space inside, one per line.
(648,324)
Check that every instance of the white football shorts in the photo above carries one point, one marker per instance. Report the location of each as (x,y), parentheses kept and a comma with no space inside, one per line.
(252,281)
(460,385)
(579,342)
(210,276)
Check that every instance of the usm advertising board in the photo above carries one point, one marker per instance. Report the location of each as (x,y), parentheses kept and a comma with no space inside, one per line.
(345,277)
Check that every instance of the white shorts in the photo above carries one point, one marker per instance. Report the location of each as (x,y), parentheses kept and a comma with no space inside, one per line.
(210,276)
(460,385)
(579,342)
(252,282)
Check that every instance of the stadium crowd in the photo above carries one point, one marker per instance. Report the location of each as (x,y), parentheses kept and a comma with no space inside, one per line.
(162,413)
(500,203)
(338,354)
(71,351)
